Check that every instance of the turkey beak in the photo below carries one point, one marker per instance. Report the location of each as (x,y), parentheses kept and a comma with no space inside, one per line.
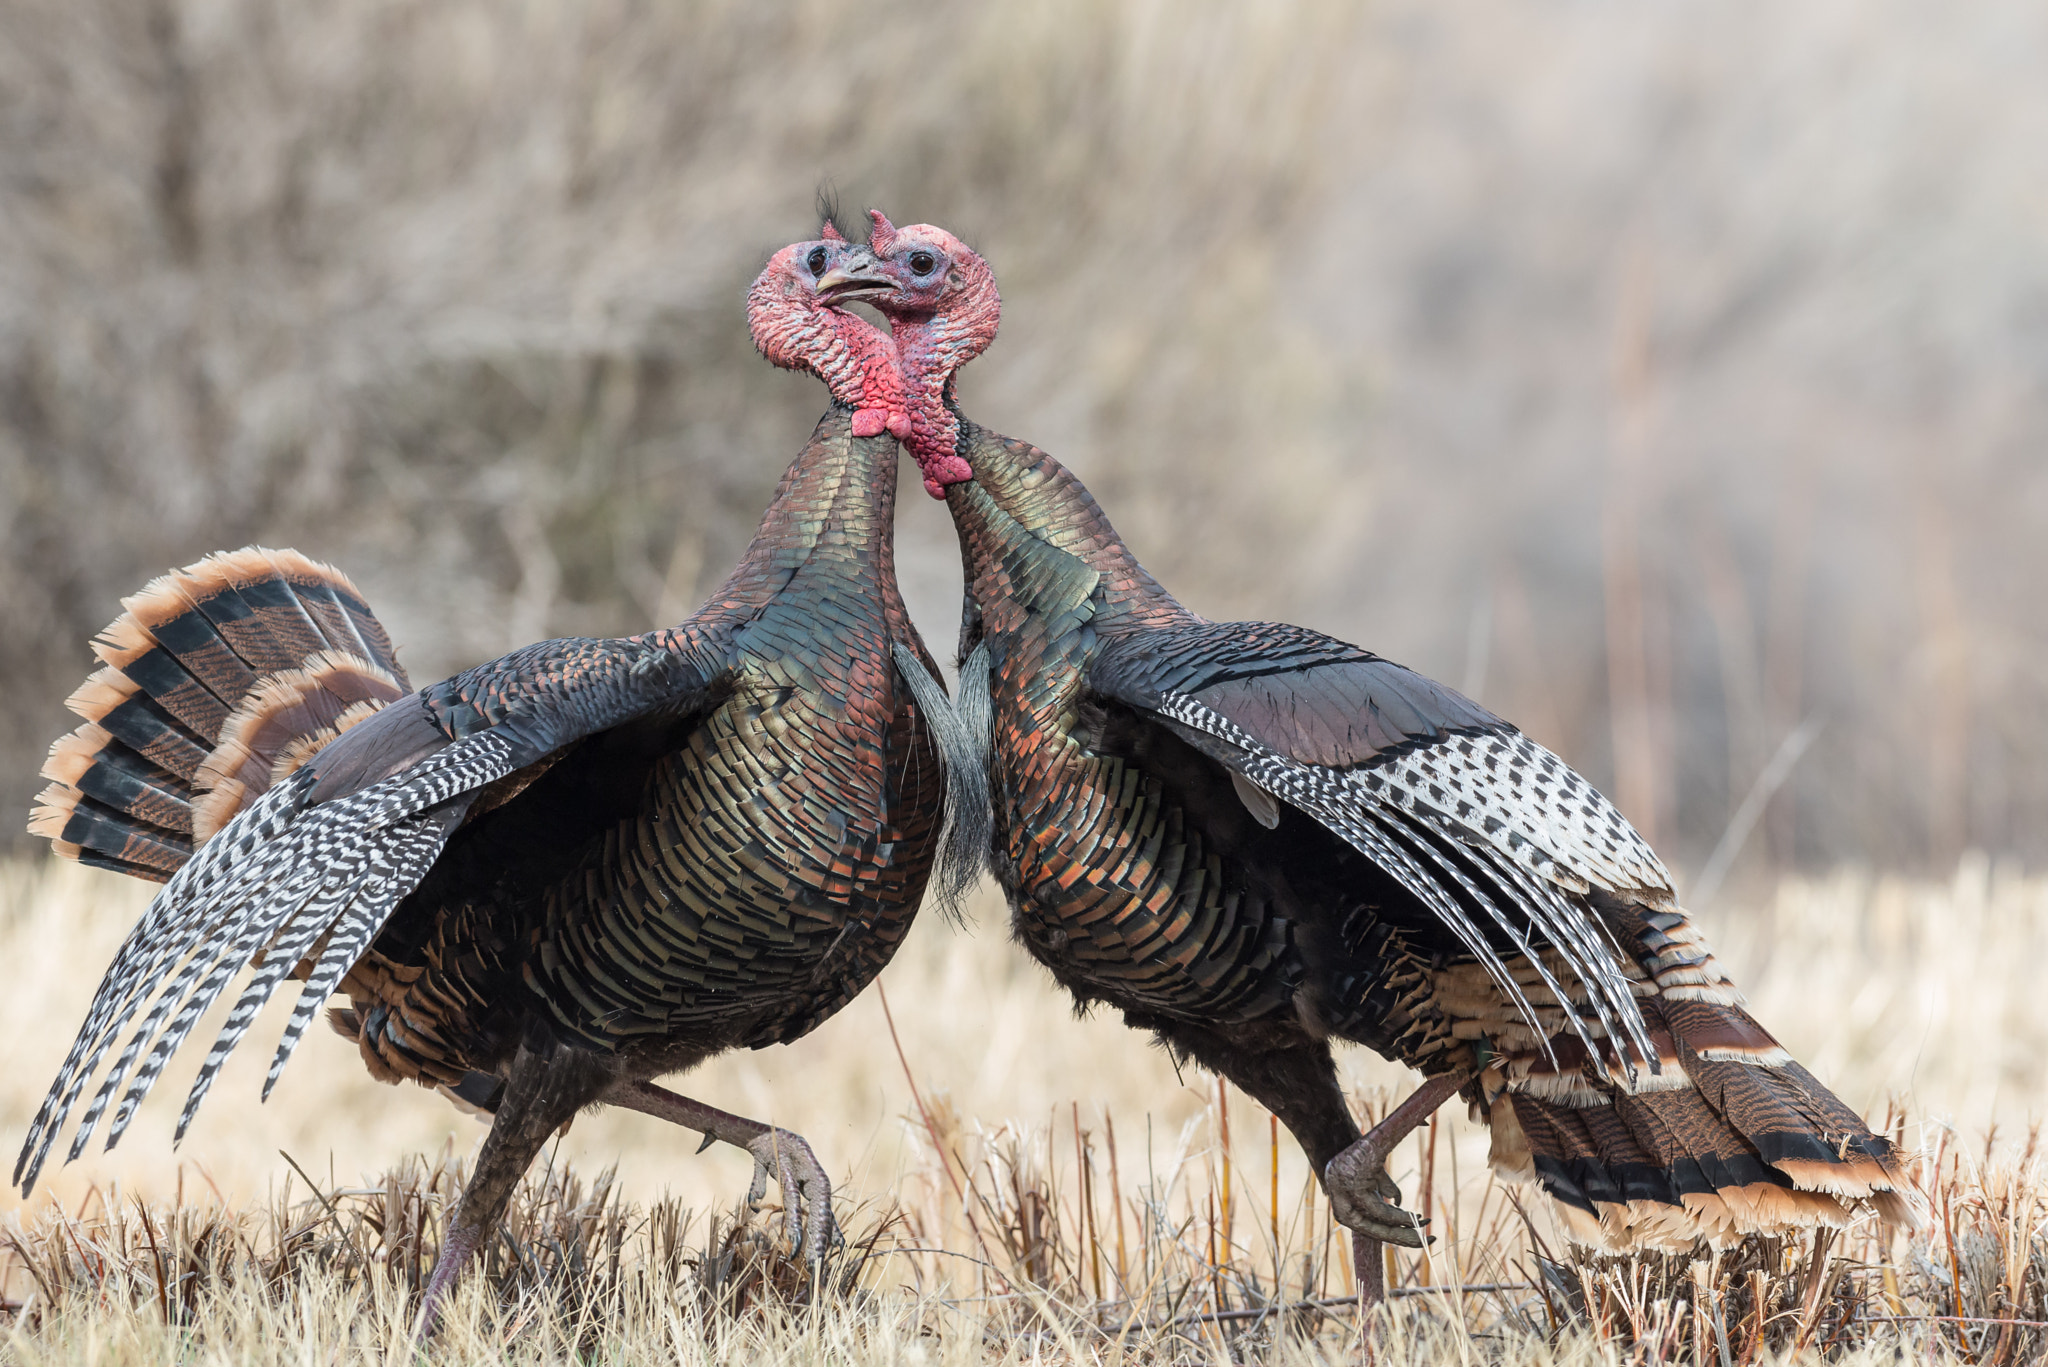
(855,279)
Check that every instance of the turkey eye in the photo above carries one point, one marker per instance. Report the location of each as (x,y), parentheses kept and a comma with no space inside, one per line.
(817,261)
(922,262)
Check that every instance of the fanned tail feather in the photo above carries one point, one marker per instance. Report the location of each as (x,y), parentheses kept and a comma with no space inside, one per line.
(1749,1143)
(217,681)
(279,879)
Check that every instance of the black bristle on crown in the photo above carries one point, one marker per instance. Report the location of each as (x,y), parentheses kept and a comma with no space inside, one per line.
(828,204)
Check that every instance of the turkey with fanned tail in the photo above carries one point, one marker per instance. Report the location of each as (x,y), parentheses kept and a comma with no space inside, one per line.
(1253,839)
(552,878)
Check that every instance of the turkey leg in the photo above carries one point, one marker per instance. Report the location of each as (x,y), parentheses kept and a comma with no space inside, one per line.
(806,1191)
(1363,1197)
(1298,1083)
(542,1092)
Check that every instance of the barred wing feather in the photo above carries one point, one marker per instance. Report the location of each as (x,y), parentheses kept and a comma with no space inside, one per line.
(299,873)
(1455,804)
(336,870)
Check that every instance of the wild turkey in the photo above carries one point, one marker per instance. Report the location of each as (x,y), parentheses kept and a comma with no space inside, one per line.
(1251,839)
(552,877)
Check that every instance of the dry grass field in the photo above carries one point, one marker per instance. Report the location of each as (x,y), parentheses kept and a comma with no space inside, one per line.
(1090,1205)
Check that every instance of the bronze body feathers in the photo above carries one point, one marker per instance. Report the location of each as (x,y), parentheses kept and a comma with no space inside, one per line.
(641,851)
(1250,839)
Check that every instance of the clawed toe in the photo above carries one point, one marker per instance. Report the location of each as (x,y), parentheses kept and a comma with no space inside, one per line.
(1378,1220)
(1364,1198)
(1392,1225)
(806,1191)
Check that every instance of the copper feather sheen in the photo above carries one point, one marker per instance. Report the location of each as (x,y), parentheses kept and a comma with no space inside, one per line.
(643,850)
(1252,839)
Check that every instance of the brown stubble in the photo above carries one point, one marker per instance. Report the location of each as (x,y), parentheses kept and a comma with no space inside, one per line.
(996,1240)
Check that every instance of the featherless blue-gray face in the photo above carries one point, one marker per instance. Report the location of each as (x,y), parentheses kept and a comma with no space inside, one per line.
(920,272)
(793,306)
(933,272)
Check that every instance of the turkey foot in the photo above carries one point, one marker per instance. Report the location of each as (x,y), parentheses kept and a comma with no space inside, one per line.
(806,1191)
(1363,1197)
(804,1185)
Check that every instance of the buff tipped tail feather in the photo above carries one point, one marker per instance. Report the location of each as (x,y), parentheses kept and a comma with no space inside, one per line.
(216,681)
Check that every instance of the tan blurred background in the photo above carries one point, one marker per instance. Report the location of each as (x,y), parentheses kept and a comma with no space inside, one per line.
(1666,375)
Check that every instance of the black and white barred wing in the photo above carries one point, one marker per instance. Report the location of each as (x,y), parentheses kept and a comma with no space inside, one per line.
(277,881)
(1477,821)
(305,875)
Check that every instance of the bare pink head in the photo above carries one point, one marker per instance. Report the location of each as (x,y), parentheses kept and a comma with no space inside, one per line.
(793,311)
(943,310)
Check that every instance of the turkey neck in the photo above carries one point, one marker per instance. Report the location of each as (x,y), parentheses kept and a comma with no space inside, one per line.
(1021,500)
(831,520)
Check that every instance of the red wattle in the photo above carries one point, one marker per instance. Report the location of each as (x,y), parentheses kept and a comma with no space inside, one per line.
(899,426)
(944,470)
(869,422)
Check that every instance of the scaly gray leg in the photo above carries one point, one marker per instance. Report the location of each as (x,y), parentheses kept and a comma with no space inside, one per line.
(1363,1197)
(541,1093)
(806,1191)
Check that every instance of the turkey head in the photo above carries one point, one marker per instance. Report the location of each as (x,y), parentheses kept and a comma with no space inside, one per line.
(795,313)
(943,310)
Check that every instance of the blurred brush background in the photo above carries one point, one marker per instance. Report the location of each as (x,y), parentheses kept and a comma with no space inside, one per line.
(1669,376)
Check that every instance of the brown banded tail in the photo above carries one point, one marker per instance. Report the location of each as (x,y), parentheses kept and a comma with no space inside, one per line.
(217,680)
